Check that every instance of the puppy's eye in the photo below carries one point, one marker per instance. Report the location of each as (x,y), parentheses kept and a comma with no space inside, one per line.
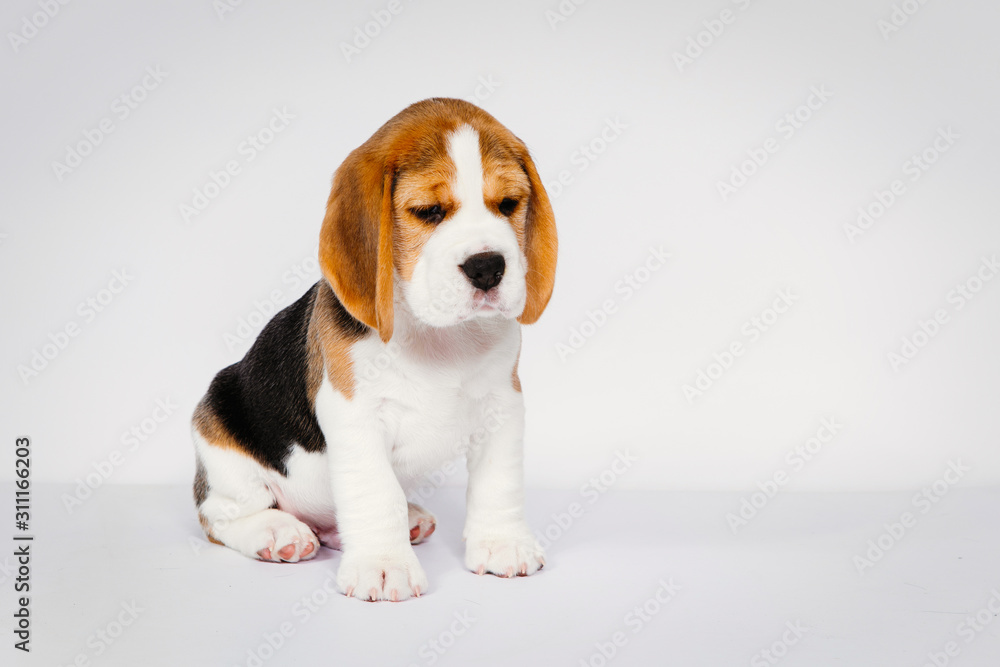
(507,206)
(430,214)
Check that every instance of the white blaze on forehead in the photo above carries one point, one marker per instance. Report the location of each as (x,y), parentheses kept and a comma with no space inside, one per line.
(438,291)
(463,149)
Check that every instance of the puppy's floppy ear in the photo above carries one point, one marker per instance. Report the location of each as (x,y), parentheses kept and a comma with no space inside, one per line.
(355,243)
(541,246)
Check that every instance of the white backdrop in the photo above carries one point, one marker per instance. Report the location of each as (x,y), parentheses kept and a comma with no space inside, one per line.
(739,137)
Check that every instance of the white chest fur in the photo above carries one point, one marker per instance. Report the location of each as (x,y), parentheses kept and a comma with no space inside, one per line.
(419,401)
(433,395)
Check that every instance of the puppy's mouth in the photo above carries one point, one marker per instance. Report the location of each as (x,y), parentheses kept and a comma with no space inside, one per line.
(485,305)
(487,302)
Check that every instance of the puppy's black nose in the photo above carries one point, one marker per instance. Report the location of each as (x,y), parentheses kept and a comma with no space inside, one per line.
(485,270)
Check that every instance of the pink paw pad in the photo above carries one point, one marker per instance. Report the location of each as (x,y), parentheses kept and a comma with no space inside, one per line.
(422,531)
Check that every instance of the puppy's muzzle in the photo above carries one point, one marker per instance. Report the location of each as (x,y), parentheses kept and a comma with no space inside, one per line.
(484,270)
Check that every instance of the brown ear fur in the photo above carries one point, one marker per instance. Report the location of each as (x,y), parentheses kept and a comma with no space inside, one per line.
(541,247)
(355,243)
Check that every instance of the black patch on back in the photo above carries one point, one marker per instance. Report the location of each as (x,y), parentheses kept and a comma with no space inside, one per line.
(263,399)
(351,327)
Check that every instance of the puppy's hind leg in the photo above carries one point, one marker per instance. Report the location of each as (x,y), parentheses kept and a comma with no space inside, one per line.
(422,523)
(237,509)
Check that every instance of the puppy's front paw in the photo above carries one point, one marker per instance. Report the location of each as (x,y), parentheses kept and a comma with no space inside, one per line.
(504,553)
(381,577)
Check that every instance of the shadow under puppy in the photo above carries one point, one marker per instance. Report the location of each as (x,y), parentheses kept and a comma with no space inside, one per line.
(438,243)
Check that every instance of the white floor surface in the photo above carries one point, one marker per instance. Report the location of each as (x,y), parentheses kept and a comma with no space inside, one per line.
(127,579)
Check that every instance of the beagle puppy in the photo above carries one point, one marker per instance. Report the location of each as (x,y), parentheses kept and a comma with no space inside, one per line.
(438,243)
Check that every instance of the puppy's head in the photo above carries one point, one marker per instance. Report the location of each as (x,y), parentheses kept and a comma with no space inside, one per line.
(445,202)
